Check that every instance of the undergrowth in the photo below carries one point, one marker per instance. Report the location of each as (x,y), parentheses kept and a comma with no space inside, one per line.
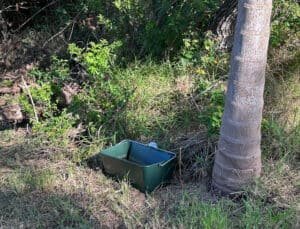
(149,83)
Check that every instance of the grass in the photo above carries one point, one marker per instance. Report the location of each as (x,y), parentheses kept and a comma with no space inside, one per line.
(192,213)
(46,183)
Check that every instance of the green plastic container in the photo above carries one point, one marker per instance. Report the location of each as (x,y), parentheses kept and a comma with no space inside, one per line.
(146,167)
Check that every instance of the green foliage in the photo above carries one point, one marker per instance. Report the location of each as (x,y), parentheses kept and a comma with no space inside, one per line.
(98,58)
(210,67)
(58,72)
(55,129)
(100,104)
(211,62)
(211,93)
(175,24)
(42,98)
(157,28)
(189,53)
(104,97)
(203,53)
(42,95)
(146,28)
(285,21)
(6,83)
(150,109)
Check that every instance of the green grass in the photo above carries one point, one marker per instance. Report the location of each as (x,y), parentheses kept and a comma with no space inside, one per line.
(44,178)
(194,213)
(258,214)
(44,181)
(41,210)
(25,180)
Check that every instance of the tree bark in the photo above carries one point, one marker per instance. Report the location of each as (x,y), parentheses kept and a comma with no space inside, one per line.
(223,23)
(238,158)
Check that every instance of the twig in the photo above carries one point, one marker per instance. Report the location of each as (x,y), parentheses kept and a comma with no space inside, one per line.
(56,35)
(195,103)
(34,15)
(9,76)
(72,29)
(31,99)
(63,29)
(180,164)
(3,24)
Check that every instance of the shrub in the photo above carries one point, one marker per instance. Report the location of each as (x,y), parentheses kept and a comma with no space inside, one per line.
(97,58)
(104,96)
(42,98)
(212,99)
(55,129)
(285,21)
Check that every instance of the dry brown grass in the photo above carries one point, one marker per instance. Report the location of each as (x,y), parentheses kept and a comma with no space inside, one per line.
(49,192)
(41,185)
(282,99)
(45,185)
(35,180)
(281,184)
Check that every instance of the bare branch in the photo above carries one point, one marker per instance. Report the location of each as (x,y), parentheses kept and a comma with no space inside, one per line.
(34,15)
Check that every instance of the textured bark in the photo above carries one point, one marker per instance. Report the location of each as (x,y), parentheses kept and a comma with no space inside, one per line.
(238,158)
(223,23)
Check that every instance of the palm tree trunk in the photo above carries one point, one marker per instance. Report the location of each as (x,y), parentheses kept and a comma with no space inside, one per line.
(238,158)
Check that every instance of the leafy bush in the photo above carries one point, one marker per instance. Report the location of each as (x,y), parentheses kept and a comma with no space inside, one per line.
(42,98)
(58,71)
(100,104)
(97,58)
(212,97)
(103,97)
(285,21)
(55,129)
(155,28)
(211,71)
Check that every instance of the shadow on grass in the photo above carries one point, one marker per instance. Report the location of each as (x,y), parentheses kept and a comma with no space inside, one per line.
(35,195)
(39,192)
(27,199)
(40,209)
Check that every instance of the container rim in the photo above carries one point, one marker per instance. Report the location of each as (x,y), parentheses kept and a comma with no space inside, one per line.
(131,162)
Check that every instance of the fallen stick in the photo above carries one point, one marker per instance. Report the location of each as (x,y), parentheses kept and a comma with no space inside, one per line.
(31,99)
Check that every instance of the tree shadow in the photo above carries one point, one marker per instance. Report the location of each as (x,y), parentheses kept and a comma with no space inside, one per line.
(43,209)
(37,192)
(27,198)
(156,28)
